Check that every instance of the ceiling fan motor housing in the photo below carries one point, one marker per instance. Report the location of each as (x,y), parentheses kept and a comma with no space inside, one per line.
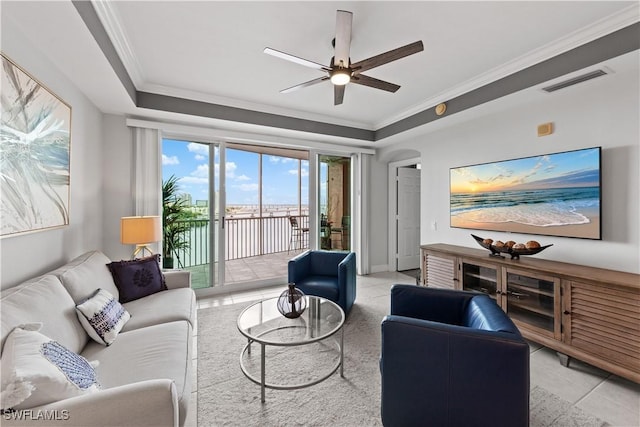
(339,74)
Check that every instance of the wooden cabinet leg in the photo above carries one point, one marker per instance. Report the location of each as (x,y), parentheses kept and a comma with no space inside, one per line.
(564,359)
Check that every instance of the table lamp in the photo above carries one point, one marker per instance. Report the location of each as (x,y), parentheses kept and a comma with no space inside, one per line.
(140,231)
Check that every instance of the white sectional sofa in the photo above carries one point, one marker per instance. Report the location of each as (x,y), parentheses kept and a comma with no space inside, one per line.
(145,374)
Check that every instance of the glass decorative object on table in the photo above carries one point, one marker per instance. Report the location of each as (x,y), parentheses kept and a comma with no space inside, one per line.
(292,302)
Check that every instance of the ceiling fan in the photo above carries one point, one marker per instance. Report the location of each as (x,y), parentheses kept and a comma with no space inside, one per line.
(341,71)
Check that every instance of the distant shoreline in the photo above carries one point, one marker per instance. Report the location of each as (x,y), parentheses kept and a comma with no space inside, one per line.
(587,230)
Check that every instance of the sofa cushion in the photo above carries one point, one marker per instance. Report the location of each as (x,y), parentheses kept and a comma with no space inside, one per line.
(137,278)
(162,307)
(86,273)
(321,286)
(43,300)
(102,316)
(159,351)
(44,369)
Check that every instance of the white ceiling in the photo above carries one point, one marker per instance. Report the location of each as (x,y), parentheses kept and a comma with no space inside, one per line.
(213,51)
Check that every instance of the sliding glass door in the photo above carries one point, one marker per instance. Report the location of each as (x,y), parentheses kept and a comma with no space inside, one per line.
(234,214)
(267,213)
(191,210)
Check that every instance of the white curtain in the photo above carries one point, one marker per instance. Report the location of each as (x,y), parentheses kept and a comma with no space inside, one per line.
(360,179)
(146,185)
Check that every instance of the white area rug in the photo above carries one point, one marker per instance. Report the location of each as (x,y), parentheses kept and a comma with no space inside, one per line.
(227,398)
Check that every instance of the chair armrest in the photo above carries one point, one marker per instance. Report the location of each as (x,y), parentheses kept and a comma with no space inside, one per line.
(177,279)
(438,305)
(298,267)
(348,263)
(347,280)
(147,403)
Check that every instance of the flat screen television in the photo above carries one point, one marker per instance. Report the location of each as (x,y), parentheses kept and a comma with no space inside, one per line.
(555,194)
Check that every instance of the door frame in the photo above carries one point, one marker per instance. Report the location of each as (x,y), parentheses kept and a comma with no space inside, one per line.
(392,264)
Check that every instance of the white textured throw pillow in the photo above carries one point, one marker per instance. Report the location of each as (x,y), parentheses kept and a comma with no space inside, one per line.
(37,370)
(102,316)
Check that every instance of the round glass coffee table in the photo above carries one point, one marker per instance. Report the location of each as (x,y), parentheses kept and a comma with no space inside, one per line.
(263,324)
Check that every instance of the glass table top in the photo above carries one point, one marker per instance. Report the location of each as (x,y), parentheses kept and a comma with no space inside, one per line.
(263,323)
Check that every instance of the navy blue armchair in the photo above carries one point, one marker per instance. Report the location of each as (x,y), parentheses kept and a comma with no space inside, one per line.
(327,274)
(451,358)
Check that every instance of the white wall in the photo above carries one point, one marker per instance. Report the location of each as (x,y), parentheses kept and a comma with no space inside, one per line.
(24,256)
(604,112)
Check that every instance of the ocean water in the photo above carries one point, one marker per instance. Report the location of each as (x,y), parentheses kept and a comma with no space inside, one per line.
(542,208)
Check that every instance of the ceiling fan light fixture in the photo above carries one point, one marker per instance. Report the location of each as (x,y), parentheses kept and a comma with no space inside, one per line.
(340,76)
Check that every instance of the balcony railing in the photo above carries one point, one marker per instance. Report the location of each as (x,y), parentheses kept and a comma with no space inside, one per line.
(244,237)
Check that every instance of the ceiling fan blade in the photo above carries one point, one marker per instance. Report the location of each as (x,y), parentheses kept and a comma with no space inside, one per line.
(361,79)
(343,38)
(338,94)
(295,59)
(384,58)
(305,84)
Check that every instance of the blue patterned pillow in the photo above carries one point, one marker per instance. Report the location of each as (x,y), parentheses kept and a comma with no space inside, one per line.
(137,278)
(40,370)
(102,316)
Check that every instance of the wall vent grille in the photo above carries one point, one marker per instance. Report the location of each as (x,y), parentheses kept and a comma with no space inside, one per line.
(574,80)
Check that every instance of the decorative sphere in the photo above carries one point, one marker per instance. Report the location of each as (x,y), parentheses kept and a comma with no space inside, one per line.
(292,303)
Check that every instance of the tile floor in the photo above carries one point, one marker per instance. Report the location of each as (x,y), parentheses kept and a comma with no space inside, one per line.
(597,392)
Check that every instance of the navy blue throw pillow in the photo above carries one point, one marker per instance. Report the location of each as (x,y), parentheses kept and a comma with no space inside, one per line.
(137,278)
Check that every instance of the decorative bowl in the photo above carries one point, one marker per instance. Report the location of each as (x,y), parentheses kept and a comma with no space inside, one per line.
(515,253)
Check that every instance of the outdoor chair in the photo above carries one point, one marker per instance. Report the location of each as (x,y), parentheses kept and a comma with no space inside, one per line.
(299,235)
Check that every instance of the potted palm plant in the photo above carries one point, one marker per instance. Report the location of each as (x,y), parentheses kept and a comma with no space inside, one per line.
(175,214)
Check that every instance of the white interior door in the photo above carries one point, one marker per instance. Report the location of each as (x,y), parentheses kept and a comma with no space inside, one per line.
(408,219)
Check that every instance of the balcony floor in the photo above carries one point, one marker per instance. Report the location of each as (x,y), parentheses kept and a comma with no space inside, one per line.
(245,269)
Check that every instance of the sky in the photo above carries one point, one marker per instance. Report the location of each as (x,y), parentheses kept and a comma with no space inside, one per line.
(578,168)
(190,162)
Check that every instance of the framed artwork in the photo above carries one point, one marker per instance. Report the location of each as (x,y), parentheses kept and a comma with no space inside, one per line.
(555,194)
(35,146)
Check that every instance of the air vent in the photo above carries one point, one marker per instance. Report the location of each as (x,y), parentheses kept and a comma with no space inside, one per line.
(575,80)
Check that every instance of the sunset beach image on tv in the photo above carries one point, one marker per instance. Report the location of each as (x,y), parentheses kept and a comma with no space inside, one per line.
(553,194)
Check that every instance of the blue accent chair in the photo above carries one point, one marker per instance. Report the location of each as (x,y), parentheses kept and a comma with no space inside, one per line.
(327,274)
(451,358)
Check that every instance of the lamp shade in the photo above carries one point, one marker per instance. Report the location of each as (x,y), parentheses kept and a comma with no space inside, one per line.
(136,230)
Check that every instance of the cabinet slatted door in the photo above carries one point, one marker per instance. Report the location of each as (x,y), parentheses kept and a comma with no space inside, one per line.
(439,271)
(605,322)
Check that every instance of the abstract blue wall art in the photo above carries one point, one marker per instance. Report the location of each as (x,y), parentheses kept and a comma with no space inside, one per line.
(35,145)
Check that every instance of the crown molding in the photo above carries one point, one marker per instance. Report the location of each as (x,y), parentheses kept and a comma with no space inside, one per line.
(111,22)
(600,28)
